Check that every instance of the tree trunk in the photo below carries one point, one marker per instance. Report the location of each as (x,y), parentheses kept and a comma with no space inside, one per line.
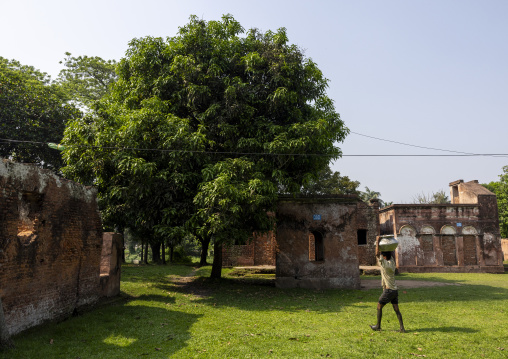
(217,261)
(123,248)
(163,253)
(205,242)
(142,251)
(171,251)
(156,252)
(145,260)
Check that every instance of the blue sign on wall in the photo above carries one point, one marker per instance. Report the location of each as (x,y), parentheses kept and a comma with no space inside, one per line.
(459,224)
(316,217)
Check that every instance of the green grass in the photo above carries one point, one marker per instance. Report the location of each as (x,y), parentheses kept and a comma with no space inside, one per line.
(244,316)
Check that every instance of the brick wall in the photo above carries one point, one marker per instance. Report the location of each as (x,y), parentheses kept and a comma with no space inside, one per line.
(470,250)
(449,250)
(50,246)
(336,219)
(238,255)
(368,219)
(260,250)
(265,247)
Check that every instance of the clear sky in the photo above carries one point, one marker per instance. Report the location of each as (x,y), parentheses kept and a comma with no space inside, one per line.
(428,73)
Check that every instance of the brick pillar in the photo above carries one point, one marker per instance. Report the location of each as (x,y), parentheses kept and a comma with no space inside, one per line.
(459,244)
(111,262)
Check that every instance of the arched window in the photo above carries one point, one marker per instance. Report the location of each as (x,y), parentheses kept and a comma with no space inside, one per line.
(427,238)
(448,245)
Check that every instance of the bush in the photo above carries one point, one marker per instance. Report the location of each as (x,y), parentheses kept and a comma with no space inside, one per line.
(180,256)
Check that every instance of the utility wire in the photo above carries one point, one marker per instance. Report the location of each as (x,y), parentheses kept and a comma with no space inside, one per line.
(427,148)
(455,153)
(408,144)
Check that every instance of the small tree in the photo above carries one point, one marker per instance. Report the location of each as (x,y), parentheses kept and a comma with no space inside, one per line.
(438,197)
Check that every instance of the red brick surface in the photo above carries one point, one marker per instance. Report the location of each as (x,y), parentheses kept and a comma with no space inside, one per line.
(50,246)
(337,219)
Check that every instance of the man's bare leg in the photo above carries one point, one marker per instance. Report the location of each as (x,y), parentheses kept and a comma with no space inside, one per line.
(399,317)
(379,317)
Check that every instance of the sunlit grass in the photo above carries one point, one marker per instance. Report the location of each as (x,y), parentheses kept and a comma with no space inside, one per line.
(164,313)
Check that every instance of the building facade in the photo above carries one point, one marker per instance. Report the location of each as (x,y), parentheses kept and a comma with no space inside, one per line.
(459,237)
(318,241)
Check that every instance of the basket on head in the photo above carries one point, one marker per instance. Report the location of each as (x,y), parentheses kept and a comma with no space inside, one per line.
(388,243)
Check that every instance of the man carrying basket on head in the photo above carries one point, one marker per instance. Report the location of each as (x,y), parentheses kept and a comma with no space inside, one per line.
(390,292)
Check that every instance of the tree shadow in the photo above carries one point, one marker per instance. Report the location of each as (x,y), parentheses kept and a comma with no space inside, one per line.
(133,328)
(446,330)
(261,294)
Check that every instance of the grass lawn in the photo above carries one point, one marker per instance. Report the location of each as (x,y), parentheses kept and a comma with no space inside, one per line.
(164,313)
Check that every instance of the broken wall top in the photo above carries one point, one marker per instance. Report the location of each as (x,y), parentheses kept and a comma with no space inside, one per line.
(30,178)
(467,192)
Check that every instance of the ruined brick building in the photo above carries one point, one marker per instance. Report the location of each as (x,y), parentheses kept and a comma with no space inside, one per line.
(459,237)
(51,247)
(321,241)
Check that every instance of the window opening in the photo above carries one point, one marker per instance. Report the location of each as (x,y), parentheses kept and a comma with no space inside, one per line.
(316,247)
(361,235)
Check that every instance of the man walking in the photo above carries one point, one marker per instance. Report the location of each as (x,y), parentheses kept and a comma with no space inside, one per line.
(390,292)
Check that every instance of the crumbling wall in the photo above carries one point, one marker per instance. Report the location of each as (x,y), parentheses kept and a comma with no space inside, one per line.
(368,221)
(260,250)
(238,255)
(50,246)
(333,220)
(265,248)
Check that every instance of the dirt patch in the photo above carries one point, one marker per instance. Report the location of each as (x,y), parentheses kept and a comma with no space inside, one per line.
(403,284)
(192,285)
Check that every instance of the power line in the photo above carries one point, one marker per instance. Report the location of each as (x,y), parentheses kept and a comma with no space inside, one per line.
(408,144)
(428,148)
(456,153)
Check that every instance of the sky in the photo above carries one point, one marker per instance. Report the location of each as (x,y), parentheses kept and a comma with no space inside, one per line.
(432,73)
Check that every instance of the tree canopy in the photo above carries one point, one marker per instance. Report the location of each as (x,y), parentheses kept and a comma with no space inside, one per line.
(329,182)
(500,189)
(33,110)
(87,79)
(210,121)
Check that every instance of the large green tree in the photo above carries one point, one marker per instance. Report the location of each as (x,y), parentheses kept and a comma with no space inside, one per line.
(250,104)
(33,111)
(500,189)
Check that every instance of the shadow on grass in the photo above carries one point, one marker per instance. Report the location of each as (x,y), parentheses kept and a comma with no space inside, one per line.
(134,328)
(261,294)
(152,272)
(446,330)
